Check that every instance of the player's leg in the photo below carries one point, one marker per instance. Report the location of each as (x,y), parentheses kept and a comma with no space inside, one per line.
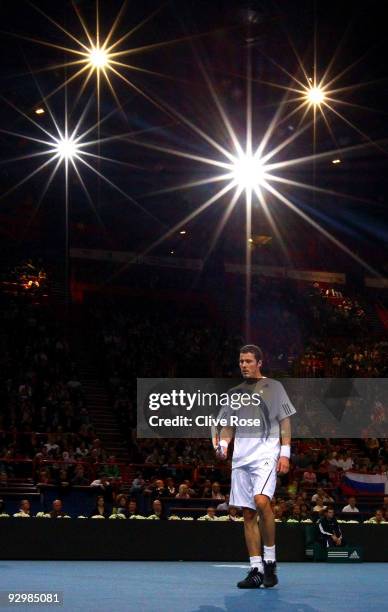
(264,484)
(241,496)
(252,532)
(267,520)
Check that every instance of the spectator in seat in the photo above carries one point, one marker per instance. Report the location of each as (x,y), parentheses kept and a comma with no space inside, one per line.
(122,504)
(183,492)
(103,485)
(330,533)
(304,512)
(309,477)
(57,509)
(351,506)
(157,509)
(345,461)
(206,489)
(211,513)
(158,490)
(216,491)
(190,489)
(378,517)
(25,508)
(170,487)
(44,477)
(137,484)
(63,479)
(132,508)
(295,513)
(232,513)
(278,512)
(319,507)
(224,506)
(111,468)
(2,506)
(100,507)
(325,496)
(79,479)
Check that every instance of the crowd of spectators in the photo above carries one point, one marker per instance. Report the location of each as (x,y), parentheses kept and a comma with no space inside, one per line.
(44,416)
(41,391)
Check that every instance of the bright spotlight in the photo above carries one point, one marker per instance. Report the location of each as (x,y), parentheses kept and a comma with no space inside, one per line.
(66,148)
(98,58)
(248,171)
(315,95)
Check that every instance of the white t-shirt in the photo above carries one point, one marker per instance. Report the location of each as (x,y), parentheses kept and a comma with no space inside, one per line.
(349,508)
(345,464)
(270,404)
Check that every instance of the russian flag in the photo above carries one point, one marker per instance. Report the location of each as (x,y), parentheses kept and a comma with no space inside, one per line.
(353,483)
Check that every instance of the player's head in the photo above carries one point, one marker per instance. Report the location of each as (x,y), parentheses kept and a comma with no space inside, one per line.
(251,360)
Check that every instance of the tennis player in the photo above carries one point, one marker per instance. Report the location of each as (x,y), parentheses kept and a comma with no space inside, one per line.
(260,453)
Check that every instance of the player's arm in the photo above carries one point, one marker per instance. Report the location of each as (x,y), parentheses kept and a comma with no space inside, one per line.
(226,436)
(285,449)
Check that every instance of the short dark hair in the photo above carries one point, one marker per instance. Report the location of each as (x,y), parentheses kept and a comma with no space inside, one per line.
(253,348)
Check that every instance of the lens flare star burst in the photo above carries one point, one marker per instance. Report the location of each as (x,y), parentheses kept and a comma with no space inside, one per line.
(66,148)
(101,58)
(319,97)
(72,150)
(248,171)
(315,95)
(247,176)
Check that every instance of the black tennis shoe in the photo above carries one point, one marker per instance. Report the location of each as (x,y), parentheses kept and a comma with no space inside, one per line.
(270,577)
(253,580)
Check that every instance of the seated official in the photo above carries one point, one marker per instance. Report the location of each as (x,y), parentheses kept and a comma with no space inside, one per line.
(157,509)
(330,533)
(211,513)
(122,504)
(100,508)
(233,513)
(57,510)
(25,509)
(378,517)
(132,508)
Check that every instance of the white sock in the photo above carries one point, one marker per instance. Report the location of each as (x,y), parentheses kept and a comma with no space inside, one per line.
(257,562)
(269,553)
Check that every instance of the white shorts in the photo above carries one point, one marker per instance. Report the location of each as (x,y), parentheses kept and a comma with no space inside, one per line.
(253,479)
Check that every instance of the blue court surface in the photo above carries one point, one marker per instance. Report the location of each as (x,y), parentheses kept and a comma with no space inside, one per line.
(197,587)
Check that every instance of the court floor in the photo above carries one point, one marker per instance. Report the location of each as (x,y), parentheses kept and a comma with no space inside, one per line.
(197,587)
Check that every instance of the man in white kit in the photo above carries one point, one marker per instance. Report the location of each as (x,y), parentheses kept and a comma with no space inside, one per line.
(260,454)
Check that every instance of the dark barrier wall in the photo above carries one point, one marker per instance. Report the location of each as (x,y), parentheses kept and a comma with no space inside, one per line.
(83,539)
